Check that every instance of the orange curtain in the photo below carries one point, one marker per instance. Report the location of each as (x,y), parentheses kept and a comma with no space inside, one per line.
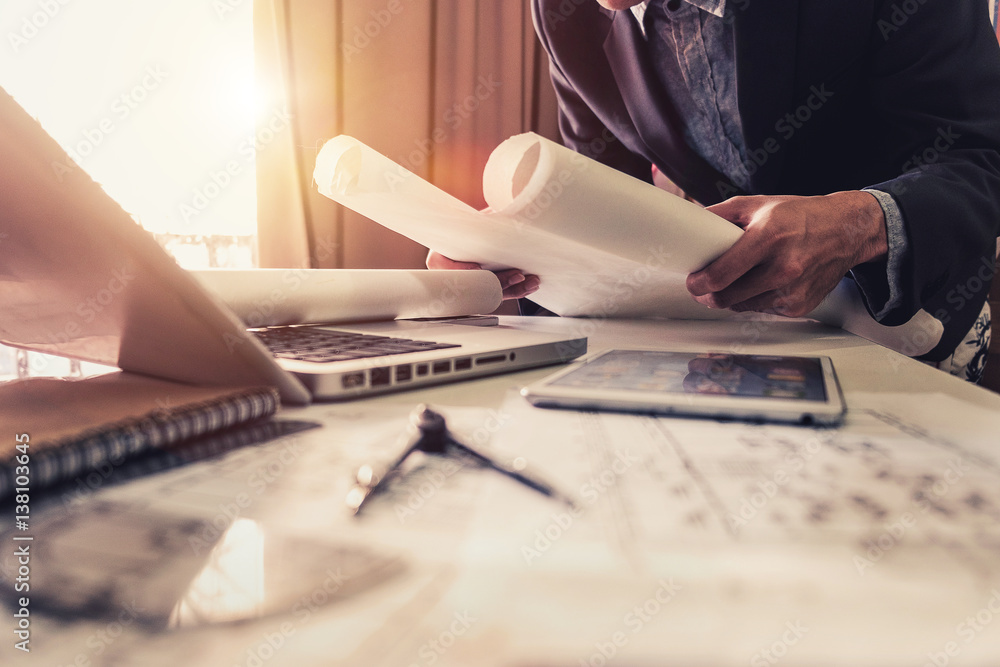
(433,84)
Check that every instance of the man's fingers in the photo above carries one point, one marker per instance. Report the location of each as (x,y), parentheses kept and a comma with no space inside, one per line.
(727,268)
(762,279)
(437,261)
(738,210)
(514,282)
(529,285)
(776,302)
(509,277)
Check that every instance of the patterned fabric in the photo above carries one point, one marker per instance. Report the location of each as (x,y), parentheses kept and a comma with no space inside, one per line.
(969,359)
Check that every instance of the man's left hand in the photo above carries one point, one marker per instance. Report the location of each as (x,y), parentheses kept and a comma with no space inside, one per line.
(794,252)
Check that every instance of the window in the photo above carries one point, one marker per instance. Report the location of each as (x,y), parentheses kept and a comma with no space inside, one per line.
(156,100)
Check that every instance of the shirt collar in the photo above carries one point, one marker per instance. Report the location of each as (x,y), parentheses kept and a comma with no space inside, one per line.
(714,7)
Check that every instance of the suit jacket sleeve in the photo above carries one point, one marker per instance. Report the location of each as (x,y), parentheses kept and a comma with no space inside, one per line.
(935,95)
(580,127)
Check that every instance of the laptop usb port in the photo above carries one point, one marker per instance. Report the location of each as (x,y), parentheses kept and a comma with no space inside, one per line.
(441,367)
(404,373)
(381,376)
(495,359)
(463,364)
(352,380)
(422,370)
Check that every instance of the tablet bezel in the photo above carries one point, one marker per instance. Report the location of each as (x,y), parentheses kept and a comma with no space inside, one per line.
(830,412)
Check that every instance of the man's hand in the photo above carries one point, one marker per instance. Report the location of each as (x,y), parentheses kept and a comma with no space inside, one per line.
(794,252)
(514,283)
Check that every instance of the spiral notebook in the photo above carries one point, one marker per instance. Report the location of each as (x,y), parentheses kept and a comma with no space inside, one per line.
(58,430)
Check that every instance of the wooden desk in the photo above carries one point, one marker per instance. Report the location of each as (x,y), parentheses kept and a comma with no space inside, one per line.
(847,553)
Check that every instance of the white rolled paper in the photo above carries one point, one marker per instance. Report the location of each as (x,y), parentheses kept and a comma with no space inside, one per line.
(603,243)
(271,297)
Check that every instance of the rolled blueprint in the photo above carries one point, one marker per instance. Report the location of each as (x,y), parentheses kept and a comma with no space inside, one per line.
(567,243)
(270,297)
(603,243)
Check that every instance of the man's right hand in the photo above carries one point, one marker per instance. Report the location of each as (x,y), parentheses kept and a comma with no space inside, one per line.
(515,283)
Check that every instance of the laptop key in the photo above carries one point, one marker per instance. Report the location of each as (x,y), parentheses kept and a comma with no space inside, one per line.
(321,346)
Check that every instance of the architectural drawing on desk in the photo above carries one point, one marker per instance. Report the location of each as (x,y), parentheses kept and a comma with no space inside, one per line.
(877,482)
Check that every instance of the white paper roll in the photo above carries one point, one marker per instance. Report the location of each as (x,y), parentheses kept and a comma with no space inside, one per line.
(270,297)
(540,183)
(603,243)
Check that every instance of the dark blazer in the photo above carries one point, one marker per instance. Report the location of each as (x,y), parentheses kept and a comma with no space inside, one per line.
(833,95)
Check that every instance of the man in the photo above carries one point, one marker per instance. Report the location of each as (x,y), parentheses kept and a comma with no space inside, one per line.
(866,131)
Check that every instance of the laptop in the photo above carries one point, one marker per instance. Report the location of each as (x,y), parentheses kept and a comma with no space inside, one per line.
(80,279)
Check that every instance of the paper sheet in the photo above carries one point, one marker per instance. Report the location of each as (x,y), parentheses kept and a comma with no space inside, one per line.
(604,244)
(826,571)
(270,297)
(846,533)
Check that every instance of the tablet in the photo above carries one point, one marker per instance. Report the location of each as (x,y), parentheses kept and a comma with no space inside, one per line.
(793,389)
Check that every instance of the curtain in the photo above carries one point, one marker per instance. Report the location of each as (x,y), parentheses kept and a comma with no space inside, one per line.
(433,84)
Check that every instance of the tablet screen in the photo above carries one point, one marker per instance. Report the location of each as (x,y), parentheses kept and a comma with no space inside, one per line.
(741,375)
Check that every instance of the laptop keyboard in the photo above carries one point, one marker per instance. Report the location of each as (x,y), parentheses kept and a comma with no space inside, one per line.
(324,345)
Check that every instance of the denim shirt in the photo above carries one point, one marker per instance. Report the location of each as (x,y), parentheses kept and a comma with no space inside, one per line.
(692,45)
